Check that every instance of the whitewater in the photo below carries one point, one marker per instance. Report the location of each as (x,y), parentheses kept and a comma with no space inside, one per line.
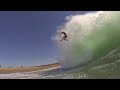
(91,36)
(93,47)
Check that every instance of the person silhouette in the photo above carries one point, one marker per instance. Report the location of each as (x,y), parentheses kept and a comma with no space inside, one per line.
(64,37)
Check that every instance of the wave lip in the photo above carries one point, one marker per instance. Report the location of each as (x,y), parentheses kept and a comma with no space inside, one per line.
(90,36)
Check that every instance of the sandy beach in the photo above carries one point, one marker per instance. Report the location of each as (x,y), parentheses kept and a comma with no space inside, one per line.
(27,69)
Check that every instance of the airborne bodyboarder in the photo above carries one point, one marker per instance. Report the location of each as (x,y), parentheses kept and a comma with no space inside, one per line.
(64,37)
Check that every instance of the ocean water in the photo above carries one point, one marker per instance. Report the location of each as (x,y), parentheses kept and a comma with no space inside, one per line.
(92,50)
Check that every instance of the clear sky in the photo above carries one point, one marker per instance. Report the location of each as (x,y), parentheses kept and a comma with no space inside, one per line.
(25,36)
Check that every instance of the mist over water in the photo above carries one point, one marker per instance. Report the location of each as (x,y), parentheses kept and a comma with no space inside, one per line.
(90,36)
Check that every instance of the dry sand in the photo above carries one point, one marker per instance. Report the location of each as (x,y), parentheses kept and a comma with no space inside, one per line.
(27,69)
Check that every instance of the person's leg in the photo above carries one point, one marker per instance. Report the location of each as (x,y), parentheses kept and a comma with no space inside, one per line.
(66,39)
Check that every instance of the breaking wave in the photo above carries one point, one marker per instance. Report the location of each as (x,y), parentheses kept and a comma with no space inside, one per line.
(91,36)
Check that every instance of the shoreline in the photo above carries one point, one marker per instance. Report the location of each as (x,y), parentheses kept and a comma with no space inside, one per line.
(28,69)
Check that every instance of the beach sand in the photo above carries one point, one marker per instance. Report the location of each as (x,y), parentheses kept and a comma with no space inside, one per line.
(27,69)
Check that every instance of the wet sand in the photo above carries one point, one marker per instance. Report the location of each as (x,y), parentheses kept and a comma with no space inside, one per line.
(27,69)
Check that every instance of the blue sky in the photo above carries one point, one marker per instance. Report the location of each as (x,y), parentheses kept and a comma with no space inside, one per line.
(25,36)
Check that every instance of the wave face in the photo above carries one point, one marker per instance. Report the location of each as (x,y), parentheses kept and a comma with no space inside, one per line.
(91,36)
